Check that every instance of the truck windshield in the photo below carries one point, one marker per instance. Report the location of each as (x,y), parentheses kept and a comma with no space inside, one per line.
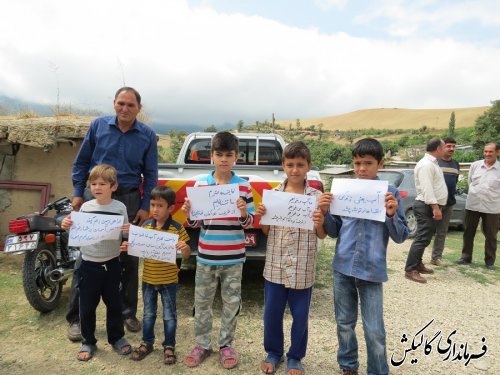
(269,152)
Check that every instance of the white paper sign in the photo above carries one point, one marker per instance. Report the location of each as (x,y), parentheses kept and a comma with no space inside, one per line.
(212,202)
(88,229)
(152,244)
(359,198)
(288,209)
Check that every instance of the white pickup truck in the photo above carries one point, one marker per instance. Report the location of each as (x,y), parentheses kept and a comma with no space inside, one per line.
(259,162)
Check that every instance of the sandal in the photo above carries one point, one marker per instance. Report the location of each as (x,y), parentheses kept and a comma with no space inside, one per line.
(86,348)
(227,353)
(141,352)
(169,357)
(122,347)
(294,364)
(273,361)
(197,356)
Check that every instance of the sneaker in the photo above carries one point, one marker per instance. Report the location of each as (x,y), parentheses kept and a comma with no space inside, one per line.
(490,267)
(74,332)
(132,324)
(439,263)
(415,276)
(349,372)
(462,261)
(423,269)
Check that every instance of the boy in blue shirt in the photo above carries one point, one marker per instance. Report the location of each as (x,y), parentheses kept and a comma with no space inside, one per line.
(360,267)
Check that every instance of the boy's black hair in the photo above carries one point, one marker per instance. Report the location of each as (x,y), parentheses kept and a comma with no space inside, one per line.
(163,192)
(368,146)
(449,140)
(297,149)
(225,141)
(433,144)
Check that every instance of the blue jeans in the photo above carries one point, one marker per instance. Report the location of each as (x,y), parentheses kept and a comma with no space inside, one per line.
(346,290)
(150,297)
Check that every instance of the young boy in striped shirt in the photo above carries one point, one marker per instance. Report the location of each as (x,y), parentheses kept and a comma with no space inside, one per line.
(221,254)
(160,278)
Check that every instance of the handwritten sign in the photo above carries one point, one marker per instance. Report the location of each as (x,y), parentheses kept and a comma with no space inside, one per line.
(88,229)
(287,209)
(212,202)
(445,347)
(359,198)
(152,244)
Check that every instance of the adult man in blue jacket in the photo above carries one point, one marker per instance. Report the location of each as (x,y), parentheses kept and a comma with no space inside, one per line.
(131,147)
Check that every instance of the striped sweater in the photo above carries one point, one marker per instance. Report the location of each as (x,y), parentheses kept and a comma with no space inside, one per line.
(222,241)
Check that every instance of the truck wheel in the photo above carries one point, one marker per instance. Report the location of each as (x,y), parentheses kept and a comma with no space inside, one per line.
(42,293)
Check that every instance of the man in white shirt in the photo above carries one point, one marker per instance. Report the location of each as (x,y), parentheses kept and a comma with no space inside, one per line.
(432,195)
(483,202)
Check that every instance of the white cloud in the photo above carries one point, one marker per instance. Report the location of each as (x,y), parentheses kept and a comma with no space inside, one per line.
(408,18)
(197,66)
(329,4)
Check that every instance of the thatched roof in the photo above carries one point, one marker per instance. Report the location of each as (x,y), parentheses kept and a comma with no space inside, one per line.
(43,132)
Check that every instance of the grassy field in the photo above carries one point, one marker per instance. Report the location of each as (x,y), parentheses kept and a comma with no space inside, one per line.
(394,118)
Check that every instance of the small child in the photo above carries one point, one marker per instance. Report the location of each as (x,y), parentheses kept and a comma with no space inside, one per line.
(290,267)
(221,254)
(99,274)
(360,266)
(160,278)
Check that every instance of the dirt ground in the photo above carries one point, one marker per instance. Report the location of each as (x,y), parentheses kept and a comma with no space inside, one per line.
(32,343)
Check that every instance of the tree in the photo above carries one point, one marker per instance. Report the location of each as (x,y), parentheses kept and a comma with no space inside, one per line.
(211,128)
(320,131)
(239,126)
(451,126)
(487,128)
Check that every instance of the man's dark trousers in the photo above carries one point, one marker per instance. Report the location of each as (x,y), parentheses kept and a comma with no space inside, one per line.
(426,227)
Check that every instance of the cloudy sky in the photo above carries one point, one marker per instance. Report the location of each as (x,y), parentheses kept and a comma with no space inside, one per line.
(218,61)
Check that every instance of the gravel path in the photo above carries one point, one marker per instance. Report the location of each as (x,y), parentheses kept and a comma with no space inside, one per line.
(34,343)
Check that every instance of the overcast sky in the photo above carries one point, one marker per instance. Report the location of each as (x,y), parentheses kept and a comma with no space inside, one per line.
(218,61)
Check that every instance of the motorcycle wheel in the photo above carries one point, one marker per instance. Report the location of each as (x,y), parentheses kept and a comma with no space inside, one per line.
(42,293)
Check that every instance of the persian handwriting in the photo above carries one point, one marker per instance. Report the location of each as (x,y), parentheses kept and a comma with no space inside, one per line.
(211,202)
(152,244)
(88,229)
(449,349)
(287,209)
(359,198)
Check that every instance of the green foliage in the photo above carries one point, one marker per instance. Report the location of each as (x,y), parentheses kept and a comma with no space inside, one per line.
(239,126)
(451,126)
(324,153)
(176,140)
(211,128)
(464,135)
(165,155)
(462,184)
(487,128)
(464,156)
(390,146)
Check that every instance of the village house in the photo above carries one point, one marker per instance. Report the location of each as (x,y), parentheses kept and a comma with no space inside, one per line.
(36,155)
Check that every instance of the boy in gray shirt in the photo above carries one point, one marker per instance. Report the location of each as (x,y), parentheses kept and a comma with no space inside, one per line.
(99,273)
